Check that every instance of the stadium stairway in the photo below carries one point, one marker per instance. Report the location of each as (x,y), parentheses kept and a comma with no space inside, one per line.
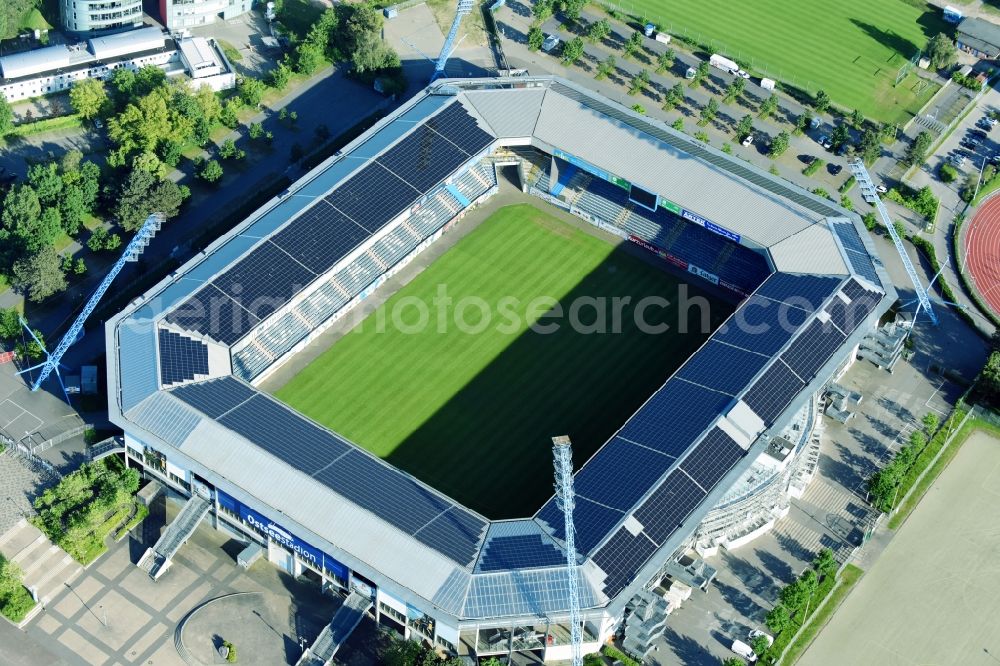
(157,559)
(344,621)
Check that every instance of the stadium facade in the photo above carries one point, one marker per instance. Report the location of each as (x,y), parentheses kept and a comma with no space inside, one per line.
(184,359)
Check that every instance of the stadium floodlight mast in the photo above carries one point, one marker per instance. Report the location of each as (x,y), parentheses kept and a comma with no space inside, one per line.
(53,359)
(464,7)
(870,194)
(562,451)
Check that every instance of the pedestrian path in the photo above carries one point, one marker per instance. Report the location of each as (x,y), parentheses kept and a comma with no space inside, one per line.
(47,568)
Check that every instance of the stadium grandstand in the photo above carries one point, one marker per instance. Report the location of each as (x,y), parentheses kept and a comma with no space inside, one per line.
(707,460)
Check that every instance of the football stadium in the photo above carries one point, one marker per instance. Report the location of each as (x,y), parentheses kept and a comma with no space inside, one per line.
(409,468)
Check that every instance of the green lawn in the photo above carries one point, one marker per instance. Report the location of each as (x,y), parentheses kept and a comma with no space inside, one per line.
(852,49)
(473,414)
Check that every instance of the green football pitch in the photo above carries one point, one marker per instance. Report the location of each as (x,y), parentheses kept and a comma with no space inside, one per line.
(471,409)
(852,49)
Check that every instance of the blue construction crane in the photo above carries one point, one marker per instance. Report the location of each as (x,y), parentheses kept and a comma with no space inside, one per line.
(131,253)
(464,7)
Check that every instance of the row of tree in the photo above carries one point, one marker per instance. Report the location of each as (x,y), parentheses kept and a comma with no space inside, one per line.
(796,599)
(884,485)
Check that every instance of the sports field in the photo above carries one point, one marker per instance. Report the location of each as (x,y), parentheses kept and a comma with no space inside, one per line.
(471,409)
(852,49)
(933,596)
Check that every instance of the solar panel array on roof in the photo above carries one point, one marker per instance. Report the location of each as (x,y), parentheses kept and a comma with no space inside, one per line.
(773,392)
(722,367)
(320,238)
(621,557)
(404,503)
(423,159)
(523,551)
(285,434)
(215,397)
(659,424)
(214,314)
(264,280)
(181,357)
(460,128)
(669,506)
(848,316)
(806,292)
(373,196)
(593,521)
(456,533)
(712,458)
(857,255)
(620,473)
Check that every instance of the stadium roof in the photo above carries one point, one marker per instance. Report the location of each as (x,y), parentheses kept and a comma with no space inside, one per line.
(640,495)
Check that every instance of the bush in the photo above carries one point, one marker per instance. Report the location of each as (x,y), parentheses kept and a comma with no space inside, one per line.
(922,202)
(969,82)
(615,654)
(813,167)
(947,173)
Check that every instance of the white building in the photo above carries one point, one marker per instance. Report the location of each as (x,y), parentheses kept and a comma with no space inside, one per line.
(192,13)
(88,15)
(55,68)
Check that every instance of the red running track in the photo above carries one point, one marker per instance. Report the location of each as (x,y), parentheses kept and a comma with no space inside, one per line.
(982,252)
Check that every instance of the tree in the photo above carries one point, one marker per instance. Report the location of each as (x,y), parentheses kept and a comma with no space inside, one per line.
(708,112)
(639,108)
(988,382)
(46,180)
(702,136)
(22,223)
(779,144)
(535,38)
(143,193)
(734,90)
(88,96)
(374,55)
(123,83)
(700,74)
(39,275)
(745,127)
(639,83)
(857,119)
(633,44)
(6,117)
(870,146)
(931,422)
(79,266)
(665,61)
(605,68)
(308,57)
(280,75)
(571,9)
(870,221)
(821,102)
(794,596)
(100,239)
(768,107)
(678,125)
(148,79)
(142,125)
(572,51)
(229,116)
(917,151)
(542,10)
(599,30)
(733,661)
(802,123)
(760,645)
(941,51)
(840,136)
(778,619)
(251,91)
(229,151)
(10,324)
(825,563)
(210,171)
(674,97)
(947,173)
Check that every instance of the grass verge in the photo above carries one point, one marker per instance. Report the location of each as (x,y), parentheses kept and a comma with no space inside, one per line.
(845,583)
(911,502)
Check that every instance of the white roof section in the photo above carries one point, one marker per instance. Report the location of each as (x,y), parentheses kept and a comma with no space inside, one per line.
(711,191)
(812,250)
(200,56)
(111,46)
(34,62)
(509,116)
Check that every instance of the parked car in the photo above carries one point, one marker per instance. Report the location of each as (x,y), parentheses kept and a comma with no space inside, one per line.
(881,189)
(550,43)
(745,651)
(979,134)
(957,160)
(970,143)
(743,74)
(690,73)
(815,122)
(986,123)
(989,120)
(747,141)
(834,169)
(825,141)
(757,632)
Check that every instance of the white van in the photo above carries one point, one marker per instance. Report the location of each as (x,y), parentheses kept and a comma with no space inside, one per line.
(744,650)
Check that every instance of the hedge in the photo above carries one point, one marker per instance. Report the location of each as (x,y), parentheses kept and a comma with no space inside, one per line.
(612,652)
